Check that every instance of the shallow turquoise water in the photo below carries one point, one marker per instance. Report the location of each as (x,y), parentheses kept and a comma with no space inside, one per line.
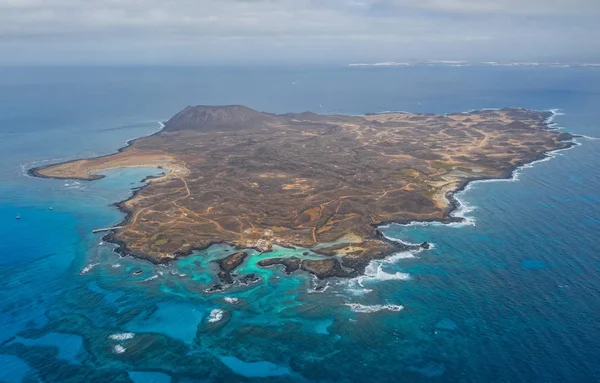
(513,297)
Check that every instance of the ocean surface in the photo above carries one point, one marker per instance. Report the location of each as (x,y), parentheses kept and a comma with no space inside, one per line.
(510,295)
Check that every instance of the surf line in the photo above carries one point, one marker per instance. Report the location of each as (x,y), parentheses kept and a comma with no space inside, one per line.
(458,216)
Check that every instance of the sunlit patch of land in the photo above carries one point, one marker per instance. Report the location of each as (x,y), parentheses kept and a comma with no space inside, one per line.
(255,179)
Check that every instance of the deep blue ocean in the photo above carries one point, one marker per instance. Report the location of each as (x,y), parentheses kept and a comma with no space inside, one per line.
(512,295)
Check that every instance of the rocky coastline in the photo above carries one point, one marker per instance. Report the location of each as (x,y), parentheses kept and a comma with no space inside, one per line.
(350,265)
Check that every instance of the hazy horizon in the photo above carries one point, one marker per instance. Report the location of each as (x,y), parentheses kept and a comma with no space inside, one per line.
(186,32)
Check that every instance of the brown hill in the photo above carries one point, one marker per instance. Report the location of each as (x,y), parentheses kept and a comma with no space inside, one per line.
(218,118)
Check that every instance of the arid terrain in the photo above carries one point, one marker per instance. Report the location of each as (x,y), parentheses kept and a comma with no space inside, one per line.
(254,179)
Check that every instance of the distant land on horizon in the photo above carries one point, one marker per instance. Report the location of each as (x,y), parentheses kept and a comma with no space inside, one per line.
(320,182)
(554,64)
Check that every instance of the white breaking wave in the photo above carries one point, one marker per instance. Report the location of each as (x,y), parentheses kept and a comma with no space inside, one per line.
(116,266)
(555,112)
(358,308)
(463,207)
(231,300)
(87,268)
(353,287)
(29,165)
(151,278)
(215,315)
(374,273)
(317,287)
(122,336)
(404,254)
(118,349)
(401,255)
(161,127)
(24,170)
(588,137)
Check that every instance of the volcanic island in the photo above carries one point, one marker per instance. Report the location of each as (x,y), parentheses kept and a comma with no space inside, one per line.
(320,182)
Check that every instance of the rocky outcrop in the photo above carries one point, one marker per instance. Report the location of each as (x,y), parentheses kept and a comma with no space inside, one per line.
(291,264)
(321,268)
(229,264)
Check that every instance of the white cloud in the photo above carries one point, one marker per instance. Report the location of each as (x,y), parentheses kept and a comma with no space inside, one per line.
(513,7)
(293,30)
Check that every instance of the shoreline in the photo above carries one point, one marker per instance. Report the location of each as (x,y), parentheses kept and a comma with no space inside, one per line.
(456,213)
(35,171)
(454,206)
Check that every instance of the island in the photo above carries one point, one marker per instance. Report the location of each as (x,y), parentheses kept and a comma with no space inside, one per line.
(320,182)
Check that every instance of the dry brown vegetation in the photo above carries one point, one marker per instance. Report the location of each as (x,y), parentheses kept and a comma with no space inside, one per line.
(256,179)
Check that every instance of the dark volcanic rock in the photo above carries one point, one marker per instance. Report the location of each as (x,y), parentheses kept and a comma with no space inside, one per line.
(249,279)
(358,265)
(321,268)
(425,245)
(291,264)
(225,277)
(137,271)
(231,262)
(326,268)
(215,287)
(228,264)
(211,118)
(565,136)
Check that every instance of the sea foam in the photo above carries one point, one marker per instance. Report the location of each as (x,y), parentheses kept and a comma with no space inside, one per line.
(358,308)
(463,207)
(122,336)
(151,278)
(161,127)
(215,315)
(118,349)
(87,268)
(374,271)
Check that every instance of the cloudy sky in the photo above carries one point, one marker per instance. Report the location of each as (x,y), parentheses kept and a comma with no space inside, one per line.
(307,31)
